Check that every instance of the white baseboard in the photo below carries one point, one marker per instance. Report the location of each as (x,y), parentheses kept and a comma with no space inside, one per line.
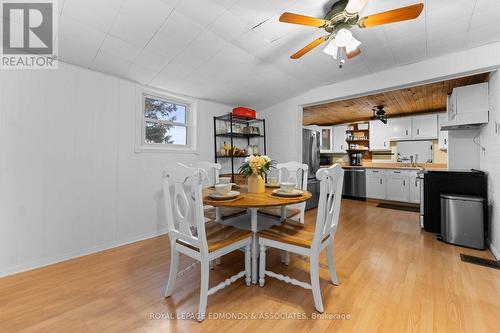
(495,251)
(75,254)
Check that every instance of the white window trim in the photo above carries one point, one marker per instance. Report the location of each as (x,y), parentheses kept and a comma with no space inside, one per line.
(191,130)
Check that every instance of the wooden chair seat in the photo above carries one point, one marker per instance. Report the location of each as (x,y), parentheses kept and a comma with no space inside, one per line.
(291,232)
(219,236)
(276,212)
(225,212)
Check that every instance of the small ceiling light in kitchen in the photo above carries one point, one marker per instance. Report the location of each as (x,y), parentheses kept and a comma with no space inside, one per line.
(344,15)
(379,113)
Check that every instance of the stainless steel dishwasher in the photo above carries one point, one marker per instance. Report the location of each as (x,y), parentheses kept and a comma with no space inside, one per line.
(354,182)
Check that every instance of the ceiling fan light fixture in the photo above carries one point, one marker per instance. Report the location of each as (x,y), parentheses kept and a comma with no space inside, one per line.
(331,49)
(353,45)
(354,6)
(343,38)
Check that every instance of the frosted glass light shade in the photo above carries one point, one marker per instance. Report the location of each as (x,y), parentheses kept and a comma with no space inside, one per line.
(343,38)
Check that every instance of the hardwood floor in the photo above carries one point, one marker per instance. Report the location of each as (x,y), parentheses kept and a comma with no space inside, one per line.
(393,278)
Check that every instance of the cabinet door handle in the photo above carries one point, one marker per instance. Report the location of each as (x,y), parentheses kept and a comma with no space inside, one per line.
(418,131)
(380,181)
(384,143)
(416,183)
(404,182)
(406,132)
(444,141)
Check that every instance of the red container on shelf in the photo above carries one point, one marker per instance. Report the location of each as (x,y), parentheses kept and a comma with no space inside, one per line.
(241,111)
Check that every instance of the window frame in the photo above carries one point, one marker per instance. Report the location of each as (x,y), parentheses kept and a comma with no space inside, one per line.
(190,124)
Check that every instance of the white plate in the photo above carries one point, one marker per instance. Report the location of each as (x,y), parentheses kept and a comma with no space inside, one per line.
(226,196)
(294,193)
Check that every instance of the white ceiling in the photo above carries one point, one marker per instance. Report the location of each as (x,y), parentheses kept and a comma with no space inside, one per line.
(236,52)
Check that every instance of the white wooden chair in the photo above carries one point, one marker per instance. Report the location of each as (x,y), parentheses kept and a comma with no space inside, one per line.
(293,172)
(190,235)
(309,240)
(211,177)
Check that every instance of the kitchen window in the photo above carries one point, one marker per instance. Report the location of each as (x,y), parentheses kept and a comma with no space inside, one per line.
(166,124)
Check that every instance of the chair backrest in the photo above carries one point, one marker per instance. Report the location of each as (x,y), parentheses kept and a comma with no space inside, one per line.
(183,200)
(293,172)
(212,170)
(331,181)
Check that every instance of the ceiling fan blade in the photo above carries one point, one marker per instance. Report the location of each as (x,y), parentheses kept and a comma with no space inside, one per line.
(302,20)
(309,47)
(392,16)
(353,53)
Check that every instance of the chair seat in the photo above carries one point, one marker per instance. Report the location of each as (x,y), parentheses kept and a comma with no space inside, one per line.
(225,212)
(276,212)
(291,232)
(219,236)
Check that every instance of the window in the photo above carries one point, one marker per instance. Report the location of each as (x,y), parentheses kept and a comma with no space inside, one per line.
(166,123)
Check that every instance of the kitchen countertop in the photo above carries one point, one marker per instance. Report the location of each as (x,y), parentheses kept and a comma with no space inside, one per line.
(369,165)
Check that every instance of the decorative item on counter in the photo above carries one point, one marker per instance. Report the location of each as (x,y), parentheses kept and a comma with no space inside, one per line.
(255,150)
(241,111)
(255,168)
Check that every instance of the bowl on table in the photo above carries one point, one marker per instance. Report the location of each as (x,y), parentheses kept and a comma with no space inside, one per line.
(223,188)
(287,187)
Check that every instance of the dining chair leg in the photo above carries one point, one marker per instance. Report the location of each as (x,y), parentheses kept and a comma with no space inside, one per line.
(262,265)
(174,263)
(203,290)
(314,270)
(331,263)
(248,270)
(302,213)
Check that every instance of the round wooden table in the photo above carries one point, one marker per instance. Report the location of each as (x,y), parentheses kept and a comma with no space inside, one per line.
(252,202)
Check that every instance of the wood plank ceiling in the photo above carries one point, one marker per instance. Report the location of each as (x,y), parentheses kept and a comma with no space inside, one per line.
(419,99)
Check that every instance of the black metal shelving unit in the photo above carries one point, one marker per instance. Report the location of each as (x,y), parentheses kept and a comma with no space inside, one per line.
(231,120)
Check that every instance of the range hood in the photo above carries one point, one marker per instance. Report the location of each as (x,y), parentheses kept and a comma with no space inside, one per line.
(467,120)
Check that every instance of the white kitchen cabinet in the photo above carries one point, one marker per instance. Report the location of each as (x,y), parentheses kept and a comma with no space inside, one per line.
(375,184)
(443,135)
(414,189)
(398,187)
(425,127)
(468,105)
(380,135)
(326,140)
(339,137)
(401,128)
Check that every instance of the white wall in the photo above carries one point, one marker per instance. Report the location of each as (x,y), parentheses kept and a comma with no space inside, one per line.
(70,182)
(490,162)
(463,153)
(284,120)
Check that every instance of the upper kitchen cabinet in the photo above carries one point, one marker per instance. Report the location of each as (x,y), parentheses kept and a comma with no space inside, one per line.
(326,140)
(380,135)
(467,106)
(425,127)
(400,128)
(443,135)
(339,136)
(414,128)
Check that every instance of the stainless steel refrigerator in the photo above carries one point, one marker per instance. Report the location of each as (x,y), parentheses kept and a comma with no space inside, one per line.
(310,156)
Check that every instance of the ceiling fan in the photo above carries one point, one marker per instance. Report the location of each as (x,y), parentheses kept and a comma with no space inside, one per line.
(344,15)
(379,113)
